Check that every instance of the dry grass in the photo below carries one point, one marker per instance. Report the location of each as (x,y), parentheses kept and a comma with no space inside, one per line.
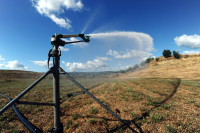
(184,68)
(164,97)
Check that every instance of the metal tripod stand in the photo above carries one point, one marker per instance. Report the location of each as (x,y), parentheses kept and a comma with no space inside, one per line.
(55,70)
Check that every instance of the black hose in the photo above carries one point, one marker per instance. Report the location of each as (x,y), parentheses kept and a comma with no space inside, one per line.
(29,126)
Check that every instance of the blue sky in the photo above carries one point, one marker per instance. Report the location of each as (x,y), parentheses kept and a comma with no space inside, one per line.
(123,33)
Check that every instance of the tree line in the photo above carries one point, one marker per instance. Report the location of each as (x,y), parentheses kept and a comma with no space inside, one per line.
(165,53)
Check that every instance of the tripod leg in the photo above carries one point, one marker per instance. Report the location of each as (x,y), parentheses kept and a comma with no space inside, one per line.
(23,93)
(67,75)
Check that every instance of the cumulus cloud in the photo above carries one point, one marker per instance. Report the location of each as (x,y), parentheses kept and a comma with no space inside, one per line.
(52,8)
(14,65)
(96,65)
(63,49)
(2,65)
(104,58)
(43,63)
(129,54)
(72,39)
(65,23)
(192,41)
(1,58)
(190,52)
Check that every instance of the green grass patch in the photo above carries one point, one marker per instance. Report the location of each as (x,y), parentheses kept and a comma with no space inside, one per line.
(92,121)
(75,116)
(93,110)
(191,101)
(165,106)
(69,123)
(171,129)
(132,114)
(156,117)
(123,97)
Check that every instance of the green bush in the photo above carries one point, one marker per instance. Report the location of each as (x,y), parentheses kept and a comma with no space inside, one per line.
(166,53)
(143,63)
(176,55)
(148,60)
(157,59)
(130,69)
(136,67)
(122,71)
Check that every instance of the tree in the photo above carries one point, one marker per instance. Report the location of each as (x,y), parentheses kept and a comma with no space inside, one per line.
(130,69)
(176,55)
(136,66)
(148,60)
(122,71)
(166,53)
(143,63)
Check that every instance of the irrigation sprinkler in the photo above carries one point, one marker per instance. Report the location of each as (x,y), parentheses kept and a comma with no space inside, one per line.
(56,70)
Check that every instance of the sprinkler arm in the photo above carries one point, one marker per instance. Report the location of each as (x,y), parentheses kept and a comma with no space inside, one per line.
(57,40)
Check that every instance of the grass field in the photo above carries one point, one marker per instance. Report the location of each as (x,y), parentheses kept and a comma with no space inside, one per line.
(147,104)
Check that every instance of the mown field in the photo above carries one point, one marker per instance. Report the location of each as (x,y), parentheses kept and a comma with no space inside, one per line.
(147,104)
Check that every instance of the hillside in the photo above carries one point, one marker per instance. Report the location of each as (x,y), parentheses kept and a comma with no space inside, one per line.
(18,74)
(187,67)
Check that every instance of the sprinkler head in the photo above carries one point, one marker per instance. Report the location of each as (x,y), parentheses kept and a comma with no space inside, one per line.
(86,39)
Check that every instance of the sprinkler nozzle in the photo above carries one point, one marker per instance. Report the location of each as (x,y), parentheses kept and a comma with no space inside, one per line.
(86,39)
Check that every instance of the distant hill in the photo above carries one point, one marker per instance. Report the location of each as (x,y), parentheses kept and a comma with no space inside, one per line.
(19,74)
(187,67)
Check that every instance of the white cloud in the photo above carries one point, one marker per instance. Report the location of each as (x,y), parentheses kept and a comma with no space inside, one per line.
(43,63)
(72,39)
(104,58)
(129,54)
(120,63)
(52,8)
(1,58)
(191,52)
(65,23)
(2,65)
(14,65)
(192,41)
(63,49)
(96,65)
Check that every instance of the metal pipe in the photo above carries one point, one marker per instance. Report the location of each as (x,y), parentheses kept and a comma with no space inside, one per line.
(66,35)
(34,103)
(26,123)
(67,75)
(24,92)
(73,42)
(58,127)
